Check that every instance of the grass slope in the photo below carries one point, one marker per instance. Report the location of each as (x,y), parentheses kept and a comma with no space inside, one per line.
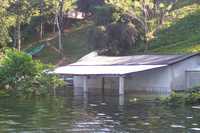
(74,44)
(182,31)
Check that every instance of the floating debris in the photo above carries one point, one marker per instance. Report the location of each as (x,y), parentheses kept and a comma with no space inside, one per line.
(93,105)
(109,120)
(196,129)
(194,124)
(108,117)
(133,100)
(135,117)
(189,117)
(105,130)
(101,114)
(196,107)
(177,126)
(116,114)
(146,124)
(103,103)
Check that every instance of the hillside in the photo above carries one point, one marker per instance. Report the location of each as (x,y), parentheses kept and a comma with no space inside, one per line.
(180,34)
(182,31)
(74,44)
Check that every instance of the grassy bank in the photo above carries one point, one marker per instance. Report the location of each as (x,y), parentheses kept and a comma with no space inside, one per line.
(181,32)
(74,46)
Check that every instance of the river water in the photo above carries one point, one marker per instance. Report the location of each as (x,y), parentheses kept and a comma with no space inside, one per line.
(96,113)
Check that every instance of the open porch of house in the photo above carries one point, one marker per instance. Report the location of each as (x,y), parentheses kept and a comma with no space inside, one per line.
(119,72)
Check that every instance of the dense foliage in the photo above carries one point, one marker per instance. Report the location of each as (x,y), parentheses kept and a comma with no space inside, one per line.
(21,75)
(190,97)
(127,23)
(19,17)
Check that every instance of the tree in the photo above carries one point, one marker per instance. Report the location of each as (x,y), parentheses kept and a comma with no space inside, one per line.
(21,10)
(88,5)
(58,9)
(6,22)
(152,13)
(41,18)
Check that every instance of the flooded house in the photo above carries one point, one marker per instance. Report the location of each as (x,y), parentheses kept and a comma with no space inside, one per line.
(149,73)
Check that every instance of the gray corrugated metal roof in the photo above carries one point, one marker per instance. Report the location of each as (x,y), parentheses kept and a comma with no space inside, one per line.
(96,60)
(104,70)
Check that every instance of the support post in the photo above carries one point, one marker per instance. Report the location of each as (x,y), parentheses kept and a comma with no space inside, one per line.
(103,87)
(85,88)
(121,85)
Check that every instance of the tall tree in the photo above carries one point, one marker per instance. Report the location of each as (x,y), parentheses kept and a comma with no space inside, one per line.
(22,11)
(41,18)
(59,8)
(5,24)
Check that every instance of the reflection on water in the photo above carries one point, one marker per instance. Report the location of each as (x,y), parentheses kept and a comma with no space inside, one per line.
(96,113)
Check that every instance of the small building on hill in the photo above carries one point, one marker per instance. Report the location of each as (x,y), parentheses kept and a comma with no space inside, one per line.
(151,73)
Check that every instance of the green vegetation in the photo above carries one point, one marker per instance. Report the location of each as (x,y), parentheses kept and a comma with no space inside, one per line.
(181,31)
(178,34)
(113,27)
(75,45)
(22,76)
(190,97)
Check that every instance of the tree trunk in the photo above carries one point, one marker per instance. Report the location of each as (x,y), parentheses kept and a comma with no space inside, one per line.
(18,35)
(59,34)
(41,18)
(15,38)
(145,25)
(61,19)
(18,27)
(59,23)
(61,16)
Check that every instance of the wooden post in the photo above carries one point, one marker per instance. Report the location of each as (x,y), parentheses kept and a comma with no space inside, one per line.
(85,88)
(121,85)
(121,100)
(103,87)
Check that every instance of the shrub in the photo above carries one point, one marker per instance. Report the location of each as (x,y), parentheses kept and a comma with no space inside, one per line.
(175,99)
(24,76)
(193,98)
(183,98)
(98,38)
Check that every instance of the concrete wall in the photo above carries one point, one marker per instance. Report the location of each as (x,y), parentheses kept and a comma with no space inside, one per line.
(179,72)
(156,80)
(161,80)
(95,84)
(193,79)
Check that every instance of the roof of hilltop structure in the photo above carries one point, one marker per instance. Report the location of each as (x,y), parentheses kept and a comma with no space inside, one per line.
(93,59)
(93,64)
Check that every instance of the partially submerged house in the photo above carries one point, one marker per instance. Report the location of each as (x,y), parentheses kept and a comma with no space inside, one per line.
(154,73)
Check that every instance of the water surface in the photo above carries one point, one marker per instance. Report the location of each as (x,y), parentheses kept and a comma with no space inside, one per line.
(95,113)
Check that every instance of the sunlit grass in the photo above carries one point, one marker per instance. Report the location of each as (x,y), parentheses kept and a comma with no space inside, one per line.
(74,45)
(181,33)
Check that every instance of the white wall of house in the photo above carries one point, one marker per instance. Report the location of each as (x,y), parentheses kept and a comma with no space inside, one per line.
(155,80)
(94,83)
(161,80)
(179,72)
